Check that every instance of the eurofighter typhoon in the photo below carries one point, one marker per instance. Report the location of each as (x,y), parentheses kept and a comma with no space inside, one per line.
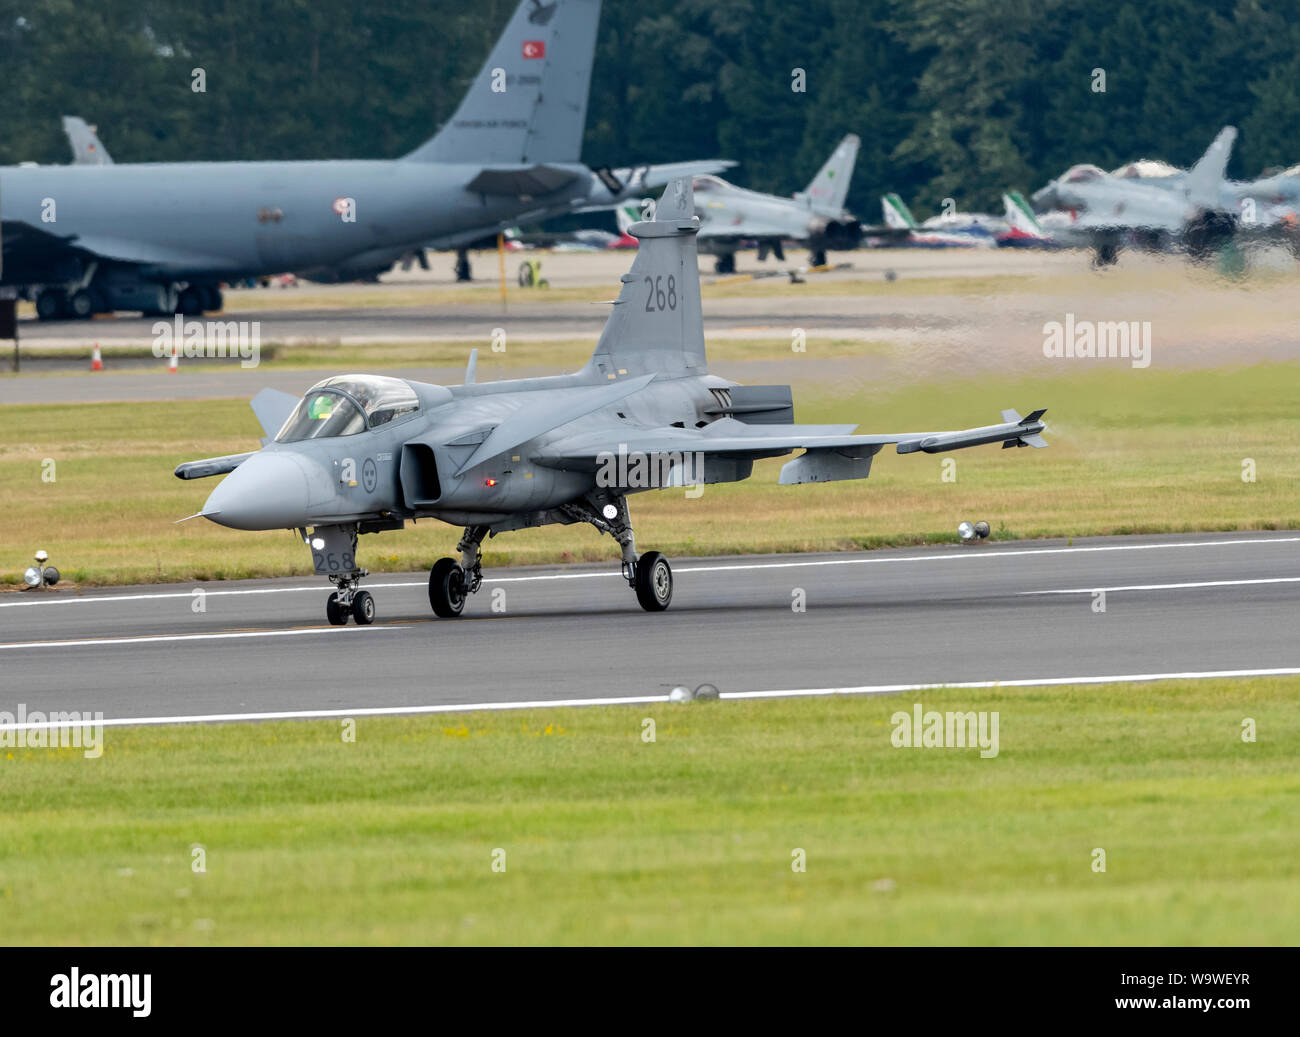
(364,454)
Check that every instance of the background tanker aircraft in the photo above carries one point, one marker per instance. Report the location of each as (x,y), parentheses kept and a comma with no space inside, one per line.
(159,238)
(731,215)
(364,453)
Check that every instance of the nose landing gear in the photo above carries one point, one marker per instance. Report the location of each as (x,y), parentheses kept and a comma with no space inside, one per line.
(349,600)
(334,554)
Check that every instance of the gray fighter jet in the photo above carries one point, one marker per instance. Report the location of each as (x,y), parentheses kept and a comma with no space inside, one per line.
(159,238)
(364,453)
(1191,214)
(816,217)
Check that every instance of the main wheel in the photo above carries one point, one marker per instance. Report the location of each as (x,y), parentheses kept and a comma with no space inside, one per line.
(818,259)
(654,581)
(447,588)
(190,301)
(725,264)
(50,304)
(363,608)
(463,271)
(81,304)
(213,300)
(334,612)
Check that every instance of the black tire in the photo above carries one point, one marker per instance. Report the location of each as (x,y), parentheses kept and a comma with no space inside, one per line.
(334,612)
(1106,254)
(190,301)
(654,582)
(50,304)
(463,269)
(447,588)
(725,264)
(363,608)
(526,275)
(81,305)
(213,300)
(818,259)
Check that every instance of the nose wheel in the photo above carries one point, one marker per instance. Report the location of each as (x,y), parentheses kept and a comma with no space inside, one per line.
(349,601)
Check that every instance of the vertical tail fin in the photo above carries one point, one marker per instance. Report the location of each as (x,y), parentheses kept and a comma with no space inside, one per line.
(630,213)
(1206,177)
(528,102)
(830,187)
(657,326)
(897,214)
(87,150)
(1020,217)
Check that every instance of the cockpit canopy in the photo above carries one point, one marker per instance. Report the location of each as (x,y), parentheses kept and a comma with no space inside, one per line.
(705,183)
(346,405)
(1146,169)
(1082,174)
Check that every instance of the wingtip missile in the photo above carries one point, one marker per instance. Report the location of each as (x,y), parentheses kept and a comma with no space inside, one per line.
(1014,431)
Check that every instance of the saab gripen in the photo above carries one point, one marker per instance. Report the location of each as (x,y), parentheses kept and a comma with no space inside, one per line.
(366,454)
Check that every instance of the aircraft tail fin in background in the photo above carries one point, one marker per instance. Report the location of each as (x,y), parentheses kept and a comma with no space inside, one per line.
(657,325)
(830,187)
(87,149)
(1021,218)
(1206,177)
(897,214)
(630,213)
(528,102)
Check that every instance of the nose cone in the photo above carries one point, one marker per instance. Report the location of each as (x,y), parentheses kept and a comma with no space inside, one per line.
(268,491)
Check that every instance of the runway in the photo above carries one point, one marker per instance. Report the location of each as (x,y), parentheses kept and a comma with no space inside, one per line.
(1026,611)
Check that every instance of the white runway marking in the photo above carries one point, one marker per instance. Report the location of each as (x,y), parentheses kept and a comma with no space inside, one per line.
(955,556)
(148,638)
(634,700)
(1168,586)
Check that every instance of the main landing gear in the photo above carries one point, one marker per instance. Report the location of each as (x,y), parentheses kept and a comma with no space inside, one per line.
(650,576)
(452,582)
(463,271)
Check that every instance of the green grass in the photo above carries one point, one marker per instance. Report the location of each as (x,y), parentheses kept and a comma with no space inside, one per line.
(1131,452)
(687,840)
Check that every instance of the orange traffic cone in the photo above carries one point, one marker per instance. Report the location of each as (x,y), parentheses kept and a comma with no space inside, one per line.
(96,359)
(173,365)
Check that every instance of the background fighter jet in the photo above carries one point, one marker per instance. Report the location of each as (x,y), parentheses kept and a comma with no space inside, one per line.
(959,230)
(362,453)
(160,237)
(1191,214)
(730,215)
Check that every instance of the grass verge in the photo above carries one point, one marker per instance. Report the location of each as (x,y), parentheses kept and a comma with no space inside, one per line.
(688,839)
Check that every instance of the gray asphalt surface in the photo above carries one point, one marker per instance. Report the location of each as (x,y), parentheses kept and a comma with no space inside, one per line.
(462,321)
(946,614)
